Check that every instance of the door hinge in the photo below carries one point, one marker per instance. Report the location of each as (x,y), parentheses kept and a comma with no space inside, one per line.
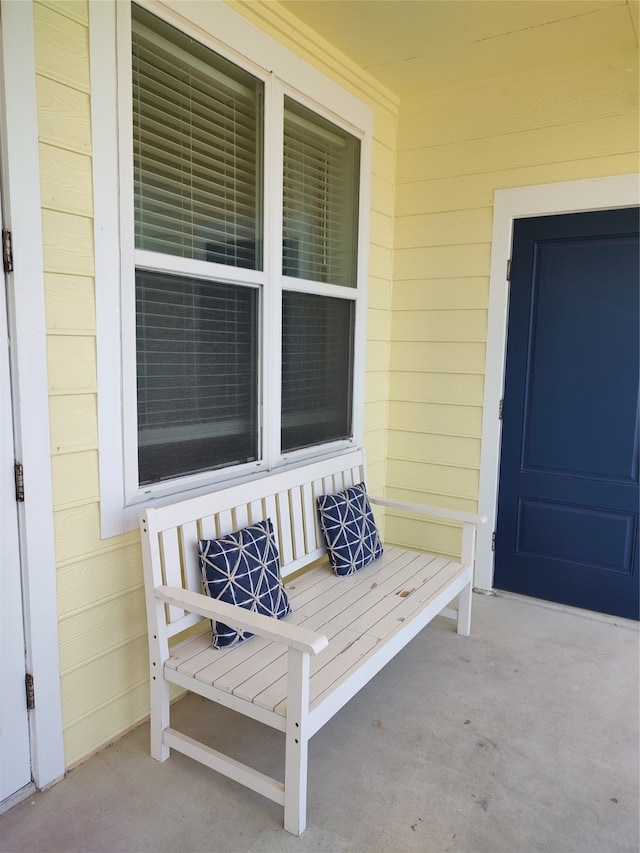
(7,251)
(509,270)
(501,409)
(31,696)
(493,541)
(19,475)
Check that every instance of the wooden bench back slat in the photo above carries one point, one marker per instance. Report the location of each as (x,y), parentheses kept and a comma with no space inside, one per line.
(172,566)
(225,522)
(297,528)
(256,511)
(190,559)
(207,527)
(242,517)
(309,517)
(283,524)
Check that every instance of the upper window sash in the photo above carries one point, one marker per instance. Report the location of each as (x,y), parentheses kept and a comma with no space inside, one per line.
(320,198)
(198,152)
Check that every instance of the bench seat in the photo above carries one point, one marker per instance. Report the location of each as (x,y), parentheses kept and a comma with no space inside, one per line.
(360,615)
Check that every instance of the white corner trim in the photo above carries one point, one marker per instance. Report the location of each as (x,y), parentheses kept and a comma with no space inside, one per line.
(510,204)
(31,404)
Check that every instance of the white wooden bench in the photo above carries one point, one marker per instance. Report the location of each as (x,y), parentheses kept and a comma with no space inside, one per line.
(297,672)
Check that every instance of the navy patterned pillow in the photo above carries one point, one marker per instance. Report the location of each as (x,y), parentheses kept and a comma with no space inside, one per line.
(243,568)
(349,529)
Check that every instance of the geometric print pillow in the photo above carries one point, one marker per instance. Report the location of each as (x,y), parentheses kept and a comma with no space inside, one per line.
(243,568)
(349,529)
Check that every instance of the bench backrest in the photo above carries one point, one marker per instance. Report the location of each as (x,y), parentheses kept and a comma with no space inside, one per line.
(170,533)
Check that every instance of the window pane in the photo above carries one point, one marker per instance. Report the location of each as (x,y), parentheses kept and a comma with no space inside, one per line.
(320,204)
(197,375)
(197,130)
(317,367)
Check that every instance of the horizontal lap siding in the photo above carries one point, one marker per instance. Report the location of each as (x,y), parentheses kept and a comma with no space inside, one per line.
(455,148)
(102,622)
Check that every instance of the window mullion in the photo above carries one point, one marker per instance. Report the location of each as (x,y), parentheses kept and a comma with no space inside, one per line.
(272,294)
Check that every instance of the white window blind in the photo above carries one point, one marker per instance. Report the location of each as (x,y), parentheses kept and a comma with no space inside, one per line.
(197,135)
(197,356)
(317,369)
(320,198)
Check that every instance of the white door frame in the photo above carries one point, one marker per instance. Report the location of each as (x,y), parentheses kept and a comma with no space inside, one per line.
(508,205)
(26,307)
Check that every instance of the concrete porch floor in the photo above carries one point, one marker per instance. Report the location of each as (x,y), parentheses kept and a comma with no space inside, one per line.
(523,737)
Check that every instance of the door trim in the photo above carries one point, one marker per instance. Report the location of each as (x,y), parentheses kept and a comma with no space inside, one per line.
(21,187)
(508,205)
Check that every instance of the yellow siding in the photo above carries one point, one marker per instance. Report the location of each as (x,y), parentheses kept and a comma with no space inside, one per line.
(75,477)
(73,421)
(455,148)
(62,46)
(70,303)
(64,115)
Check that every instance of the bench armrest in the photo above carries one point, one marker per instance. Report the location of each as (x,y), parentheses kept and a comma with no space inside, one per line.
(469,520)
(290,635)
(434,511)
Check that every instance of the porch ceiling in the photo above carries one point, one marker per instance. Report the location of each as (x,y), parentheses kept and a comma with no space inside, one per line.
(413,46)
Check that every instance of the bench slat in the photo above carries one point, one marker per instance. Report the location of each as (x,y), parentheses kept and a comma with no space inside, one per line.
(390,605)
(309,517)
(188,649)
(363,592)
(172,568)
(283,523)
(297,527)
(208,663)
(261,656)
(383,616)
(274,689)
(241,517)
(256,511)
(190,558)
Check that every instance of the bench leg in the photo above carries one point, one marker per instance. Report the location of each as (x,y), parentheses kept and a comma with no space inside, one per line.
(297,743)
(159,717)
(464,611)
(468,559)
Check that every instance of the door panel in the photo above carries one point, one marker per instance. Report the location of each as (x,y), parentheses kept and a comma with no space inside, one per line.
(567,526)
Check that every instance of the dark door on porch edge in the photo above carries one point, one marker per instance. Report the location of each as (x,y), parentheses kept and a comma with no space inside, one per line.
(567,528)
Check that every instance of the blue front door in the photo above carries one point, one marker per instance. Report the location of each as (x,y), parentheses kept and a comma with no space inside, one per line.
(567,528)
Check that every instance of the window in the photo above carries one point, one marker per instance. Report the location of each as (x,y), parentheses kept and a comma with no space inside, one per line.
(242,280)
(197,161)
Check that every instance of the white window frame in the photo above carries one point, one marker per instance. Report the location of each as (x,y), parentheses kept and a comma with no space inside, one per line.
(283,74)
